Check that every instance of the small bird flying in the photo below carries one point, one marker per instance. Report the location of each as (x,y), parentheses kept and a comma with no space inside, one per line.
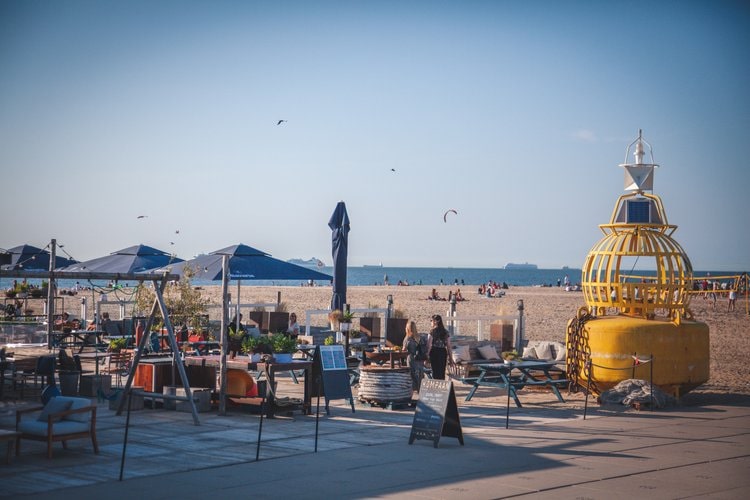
(393,170)
(280,122)
(445,215)
(142,216)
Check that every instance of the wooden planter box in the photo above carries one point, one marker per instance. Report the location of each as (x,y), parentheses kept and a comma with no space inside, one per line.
(275,322)
(255,318)
(370,326)
(502,334)
(396,331)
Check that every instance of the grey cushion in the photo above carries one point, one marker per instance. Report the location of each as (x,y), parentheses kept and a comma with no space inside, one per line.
(55,405)
(37,428)
(78,403)
(488,352)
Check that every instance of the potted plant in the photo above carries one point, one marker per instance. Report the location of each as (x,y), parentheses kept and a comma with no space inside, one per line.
(357,336)
(509,356)
(255,347)
(116,345)
(345,323)
(329,340)
(283,347)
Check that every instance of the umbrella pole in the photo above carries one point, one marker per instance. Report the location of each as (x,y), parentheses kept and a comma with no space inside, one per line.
(237,312)
(224,325)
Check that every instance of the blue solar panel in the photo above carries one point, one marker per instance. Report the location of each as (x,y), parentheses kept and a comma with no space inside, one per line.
(639,212)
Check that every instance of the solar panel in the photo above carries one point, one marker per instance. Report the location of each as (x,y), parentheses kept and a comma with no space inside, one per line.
(639,212)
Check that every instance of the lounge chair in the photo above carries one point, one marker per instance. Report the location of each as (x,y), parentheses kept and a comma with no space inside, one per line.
(63,418)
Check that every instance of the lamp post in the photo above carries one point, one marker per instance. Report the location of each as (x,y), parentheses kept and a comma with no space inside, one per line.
(388,314)
(519,340)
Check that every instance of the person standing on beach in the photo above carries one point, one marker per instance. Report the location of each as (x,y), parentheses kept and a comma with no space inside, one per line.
(416,345)
(732,299)
(438,347)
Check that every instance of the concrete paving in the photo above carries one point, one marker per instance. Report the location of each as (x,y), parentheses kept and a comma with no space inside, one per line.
(700,448)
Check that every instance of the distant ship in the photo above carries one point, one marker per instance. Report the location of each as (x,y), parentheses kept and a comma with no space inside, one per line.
(312,263)
(380,264)
(525,265)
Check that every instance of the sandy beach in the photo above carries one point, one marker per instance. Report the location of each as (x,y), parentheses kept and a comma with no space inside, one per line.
(546,312)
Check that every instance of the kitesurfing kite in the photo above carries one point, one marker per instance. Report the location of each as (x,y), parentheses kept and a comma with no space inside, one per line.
(445,215)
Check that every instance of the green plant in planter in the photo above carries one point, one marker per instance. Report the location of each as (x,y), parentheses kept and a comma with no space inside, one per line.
(329,340)
(509,355)
(116,345)
(283,343)
(256,344)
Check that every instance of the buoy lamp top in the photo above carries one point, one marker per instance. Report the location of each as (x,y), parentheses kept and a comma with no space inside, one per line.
(637,269)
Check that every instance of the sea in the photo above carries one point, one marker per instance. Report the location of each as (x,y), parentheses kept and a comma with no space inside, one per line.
(430,276)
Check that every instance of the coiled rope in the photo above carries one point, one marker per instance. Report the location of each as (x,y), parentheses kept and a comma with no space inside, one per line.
(578,351)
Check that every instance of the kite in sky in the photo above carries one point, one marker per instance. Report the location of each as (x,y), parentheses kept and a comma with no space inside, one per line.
(445,215)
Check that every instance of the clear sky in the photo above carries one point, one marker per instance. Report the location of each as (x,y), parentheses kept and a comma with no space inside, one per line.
(514,113)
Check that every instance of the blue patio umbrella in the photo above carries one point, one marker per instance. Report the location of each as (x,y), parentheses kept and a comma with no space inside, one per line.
(245,263)
(31,258)
(339,225)
(135,259)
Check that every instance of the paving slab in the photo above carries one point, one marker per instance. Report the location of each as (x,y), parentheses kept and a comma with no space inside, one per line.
(695,449)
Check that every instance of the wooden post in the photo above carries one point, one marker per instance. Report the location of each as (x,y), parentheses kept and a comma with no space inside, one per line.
(223,337)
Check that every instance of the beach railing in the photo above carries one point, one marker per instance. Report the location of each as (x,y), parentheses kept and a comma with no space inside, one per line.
(454,324)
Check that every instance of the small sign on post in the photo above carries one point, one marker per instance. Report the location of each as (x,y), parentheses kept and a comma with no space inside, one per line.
(437,413)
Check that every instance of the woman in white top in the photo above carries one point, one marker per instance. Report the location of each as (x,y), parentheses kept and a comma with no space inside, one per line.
(293,328)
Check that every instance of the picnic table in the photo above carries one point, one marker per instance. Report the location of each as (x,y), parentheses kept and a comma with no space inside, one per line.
(78,338)
(516,375)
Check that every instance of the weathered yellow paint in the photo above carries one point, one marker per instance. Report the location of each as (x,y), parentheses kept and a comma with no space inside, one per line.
(680,352)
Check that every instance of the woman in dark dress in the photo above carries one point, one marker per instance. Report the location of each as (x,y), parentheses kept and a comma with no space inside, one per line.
(439,348)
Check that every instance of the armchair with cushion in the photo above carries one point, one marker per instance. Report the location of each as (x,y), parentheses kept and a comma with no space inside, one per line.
(63,418)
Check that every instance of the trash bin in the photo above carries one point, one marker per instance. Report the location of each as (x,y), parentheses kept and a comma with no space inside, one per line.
(69,383)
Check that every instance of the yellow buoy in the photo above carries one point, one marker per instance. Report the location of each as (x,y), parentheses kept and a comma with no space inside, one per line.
(635,282)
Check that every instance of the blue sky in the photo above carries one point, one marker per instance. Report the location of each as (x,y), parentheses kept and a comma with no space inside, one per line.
(513,113)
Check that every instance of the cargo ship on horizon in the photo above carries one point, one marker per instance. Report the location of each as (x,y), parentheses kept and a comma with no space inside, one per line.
(525,265)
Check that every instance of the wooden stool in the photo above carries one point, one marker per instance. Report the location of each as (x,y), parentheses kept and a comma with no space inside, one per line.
(10,437)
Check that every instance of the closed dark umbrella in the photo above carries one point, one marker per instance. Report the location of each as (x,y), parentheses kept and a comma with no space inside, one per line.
(339,225)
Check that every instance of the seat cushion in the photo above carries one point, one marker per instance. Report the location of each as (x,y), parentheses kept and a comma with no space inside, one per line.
(488,352)
(54,405)
(461,353)
(37,428)
(544,350)
(529,353)
(76,404)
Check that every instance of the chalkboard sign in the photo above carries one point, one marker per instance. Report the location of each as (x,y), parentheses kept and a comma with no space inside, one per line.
(330,374)
(437,413)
